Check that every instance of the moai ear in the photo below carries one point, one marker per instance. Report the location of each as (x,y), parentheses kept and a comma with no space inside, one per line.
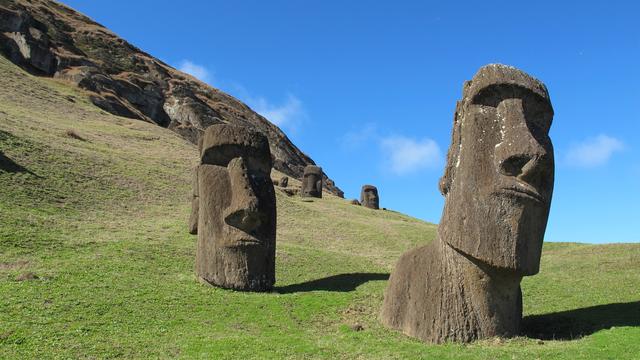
(454,152)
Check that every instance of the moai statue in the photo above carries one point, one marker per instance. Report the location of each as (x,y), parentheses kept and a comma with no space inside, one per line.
(369,197)
(284,181)
(236,210)
(497,184)
(312,182)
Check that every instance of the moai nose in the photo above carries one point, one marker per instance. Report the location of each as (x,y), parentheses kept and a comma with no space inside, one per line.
(242,213)
(519,154)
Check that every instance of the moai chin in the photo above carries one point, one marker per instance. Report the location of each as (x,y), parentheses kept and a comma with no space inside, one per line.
(312,182)
(369,197)
(236,210)
(497,184)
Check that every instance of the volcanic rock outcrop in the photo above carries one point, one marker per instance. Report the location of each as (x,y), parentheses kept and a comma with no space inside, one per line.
(50,39)
(498,182)
(369,197)
(236,210)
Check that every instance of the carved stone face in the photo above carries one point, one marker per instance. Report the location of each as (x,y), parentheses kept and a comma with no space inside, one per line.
(237,213)
(312,181)
(499,177)
(369,197)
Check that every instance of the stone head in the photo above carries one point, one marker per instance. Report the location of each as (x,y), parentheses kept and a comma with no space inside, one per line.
(312,181)
(369,197)
(235,170)
(284,181)
(498,179)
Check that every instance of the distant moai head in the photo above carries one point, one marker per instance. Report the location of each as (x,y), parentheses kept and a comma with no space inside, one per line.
(237,209)
(369,197)
(498,179)
(312,181)
(284,181)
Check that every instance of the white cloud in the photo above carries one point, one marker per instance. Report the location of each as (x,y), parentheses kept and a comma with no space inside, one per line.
(288,114)
(405,155)
(197,71)
(594,151)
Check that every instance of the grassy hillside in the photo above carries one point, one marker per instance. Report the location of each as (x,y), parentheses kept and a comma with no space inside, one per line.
(95,260)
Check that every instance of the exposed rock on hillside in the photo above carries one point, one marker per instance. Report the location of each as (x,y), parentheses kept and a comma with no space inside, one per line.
(50,39)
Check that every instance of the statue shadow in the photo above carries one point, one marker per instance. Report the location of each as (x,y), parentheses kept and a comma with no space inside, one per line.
(8,165)
(574,324)
(341,283)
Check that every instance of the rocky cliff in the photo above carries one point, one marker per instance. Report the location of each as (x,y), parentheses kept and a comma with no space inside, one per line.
(50,39)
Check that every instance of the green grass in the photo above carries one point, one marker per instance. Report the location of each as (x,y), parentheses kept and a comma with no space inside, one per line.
(101,222)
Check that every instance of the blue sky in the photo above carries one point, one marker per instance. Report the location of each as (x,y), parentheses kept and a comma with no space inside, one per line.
(368,89)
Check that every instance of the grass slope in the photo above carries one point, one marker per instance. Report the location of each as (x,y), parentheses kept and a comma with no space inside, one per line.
(95,260)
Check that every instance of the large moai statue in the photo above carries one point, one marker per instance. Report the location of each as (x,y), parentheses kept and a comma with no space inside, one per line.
(498,181)
(369,197)
(312,182)
(236,210)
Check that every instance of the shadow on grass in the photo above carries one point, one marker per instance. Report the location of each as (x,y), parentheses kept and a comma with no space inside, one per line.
(342,283)
(8,165)
(573,324)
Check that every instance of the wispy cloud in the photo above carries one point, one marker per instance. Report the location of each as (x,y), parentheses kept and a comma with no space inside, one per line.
(290,113)
(367,133)
(196,70)
(406,155)
(594,151)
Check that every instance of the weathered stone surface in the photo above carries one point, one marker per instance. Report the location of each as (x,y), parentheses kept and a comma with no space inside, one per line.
(284,181)
(236,211)
(48,38)
(193,219)
(354,202)
(497,185)
(369,197)
(312,182)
